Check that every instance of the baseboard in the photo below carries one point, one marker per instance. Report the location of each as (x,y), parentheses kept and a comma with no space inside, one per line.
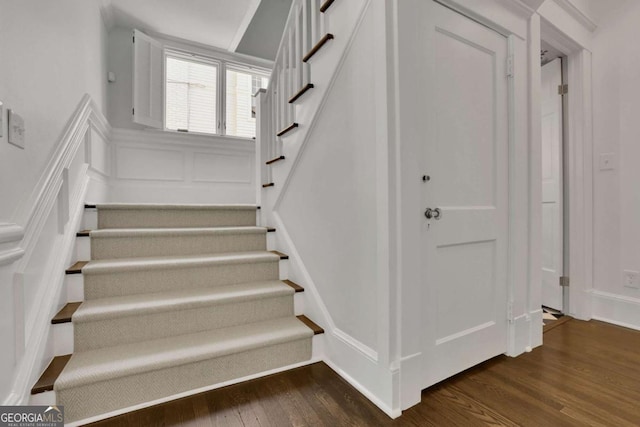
(192,392)
(524,334)
(392,413)
(616,309)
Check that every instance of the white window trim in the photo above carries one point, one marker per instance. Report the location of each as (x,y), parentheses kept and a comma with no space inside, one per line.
(221,86)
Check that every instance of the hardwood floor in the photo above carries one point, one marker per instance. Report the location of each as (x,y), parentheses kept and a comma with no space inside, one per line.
(586,374)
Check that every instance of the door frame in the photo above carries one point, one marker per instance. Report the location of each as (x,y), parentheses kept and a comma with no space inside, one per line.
(578,168)
(405,142)
(522,25)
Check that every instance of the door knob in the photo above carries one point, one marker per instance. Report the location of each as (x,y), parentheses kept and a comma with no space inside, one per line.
(433,213)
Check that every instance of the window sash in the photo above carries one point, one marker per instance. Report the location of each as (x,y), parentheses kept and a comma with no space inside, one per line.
(221,83)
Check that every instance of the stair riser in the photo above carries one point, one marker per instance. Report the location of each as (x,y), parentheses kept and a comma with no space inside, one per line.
(150,246)
(63,341)
(169,218)
(83,247)
(125,330)
(120,283)
(102,397)
(90,219)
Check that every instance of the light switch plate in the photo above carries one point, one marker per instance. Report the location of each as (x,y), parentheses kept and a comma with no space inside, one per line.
(607,161)
(16,129)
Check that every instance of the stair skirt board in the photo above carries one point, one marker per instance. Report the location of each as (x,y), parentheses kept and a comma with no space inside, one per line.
(110,395)
(174,216)
(123,243)
(103,279)
(118,321)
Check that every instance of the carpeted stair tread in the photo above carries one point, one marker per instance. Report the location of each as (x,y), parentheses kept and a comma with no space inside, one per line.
(118,215)
(115,362)
(162,206)
(169,262)
(141,304)
(155,232)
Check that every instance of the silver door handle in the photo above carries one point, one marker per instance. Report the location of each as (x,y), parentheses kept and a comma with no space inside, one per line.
(433,213)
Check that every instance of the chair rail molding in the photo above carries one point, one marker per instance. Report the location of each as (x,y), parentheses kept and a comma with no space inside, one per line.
(64,182)
(10,236)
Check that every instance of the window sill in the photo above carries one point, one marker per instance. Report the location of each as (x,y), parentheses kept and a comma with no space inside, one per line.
(201,135)
(159,137)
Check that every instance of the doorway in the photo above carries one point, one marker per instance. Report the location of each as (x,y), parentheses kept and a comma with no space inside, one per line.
(465,229)
(554,87)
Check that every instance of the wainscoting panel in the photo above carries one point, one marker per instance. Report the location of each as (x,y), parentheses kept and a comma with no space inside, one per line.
(222,168)
(169,167)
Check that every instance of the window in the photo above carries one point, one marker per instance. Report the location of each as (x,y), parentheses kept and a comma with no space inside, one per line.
(205,95)
(240,117)
(191,95)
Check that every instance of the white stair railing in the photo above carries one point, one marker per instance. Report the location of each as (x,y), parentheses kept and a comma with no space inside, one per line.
(304,30)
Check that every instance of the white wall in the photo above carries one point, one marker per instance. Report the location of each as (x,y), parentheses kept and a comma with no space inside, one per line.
(616,100)
(52,54)
(330,207)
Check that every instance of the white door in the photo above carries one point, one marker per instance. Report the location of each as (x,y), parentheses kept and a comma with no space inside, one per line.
(551,184)
(466,156)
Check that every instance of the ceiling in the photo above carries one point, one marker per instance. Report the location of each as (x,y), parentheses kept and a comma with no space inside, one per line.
(263,34)
(250,27)
(217,23)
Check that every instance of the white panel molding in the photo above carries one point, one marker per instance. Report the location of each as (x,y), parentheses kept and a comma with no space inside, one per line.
(368,352)
(131,161)
(34,214)
(190,174)
(357,363)
(241,175)
(617,309)
(577,14)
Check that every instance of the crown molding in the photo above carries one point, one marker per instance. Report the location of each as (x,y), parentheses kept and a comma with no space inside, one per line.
(577,14)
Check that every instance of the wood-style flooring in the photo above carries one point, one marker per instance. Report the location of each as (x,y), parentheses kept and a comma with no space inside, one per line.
(586,374)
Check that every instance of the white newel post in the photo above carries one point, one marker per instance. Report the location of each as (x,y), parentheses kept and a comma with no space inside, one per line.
(263,118)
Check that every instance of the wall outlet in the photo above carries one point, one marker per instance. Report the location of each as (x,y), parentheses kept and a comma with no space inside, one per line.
(631,279)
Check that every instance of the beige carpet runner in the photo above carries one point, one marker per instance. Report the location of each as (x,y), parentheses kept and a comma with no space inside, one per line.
(176,298)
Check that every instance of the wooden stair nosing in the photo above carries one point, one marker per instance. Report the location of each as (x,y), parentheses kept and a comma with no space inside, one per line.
(326,5)
(301,92)
(318,46)
(311,324)
(294,285)
(65,314)
(51,374)
(77,267)
(277,159)
(271,184)
(280,254)
(288,129)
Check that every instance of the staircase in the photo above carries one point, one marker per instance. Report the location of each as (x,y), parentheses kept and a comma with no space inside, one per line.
(175,299)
